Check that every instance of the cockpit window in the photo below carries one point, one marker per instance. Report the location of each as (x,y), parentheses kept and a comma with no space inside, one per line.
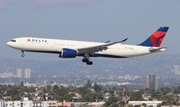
(13,40)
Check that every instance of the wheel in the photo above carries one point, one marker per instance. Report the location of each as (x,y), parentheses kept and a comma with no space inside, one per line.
(85,60)
(22,55)
(89,63)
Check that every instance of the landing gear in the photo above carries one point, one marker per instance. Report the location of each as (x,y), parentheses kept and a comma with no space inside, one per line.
(86,59)
(89,63)
(22,55)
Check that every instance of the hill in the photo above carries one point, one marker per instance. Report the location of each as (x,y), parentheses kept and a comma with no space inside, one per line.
(159,64)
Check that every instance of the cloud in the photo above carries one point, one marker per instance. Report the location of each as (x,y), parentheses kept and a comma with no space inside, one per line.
(36,4)
(3,4)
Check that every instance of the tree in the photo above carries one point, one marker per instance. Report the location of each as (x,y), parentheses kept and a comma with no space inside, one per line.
(114,88)
(122,103)
(63,91)
(136,96)
(130,105)
(155,94)
(55,89)
(137,106)
(88,85)
(97,87)
(22,84)
(56,97)
(159,105)
(67,98)
(177,99)
(114,105)
(167,99)
(47,88)
(163,103)
(96,96)
(112,99)
(144,104)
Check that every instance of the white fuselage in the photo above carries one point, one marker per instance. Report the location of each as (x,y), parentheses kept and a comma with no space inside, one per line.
(55,46)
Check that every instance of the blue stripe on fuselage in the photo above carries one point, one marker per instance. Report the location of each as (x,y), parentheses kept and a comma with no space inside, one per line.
(94,55)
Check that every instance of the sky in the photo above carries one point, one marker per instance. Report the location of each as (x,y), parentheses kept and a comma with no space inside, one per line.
(89,20)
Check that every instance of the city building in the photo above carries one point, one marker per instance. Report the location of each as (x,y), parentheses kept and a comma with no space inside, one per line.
(19,73)
(27,84)
(148,103)
(27,73)
(2,103)
(6,75)
(151,82)
(64,104)
(52,103)
(40,104)
(156,83)
(24,102)
(176,70)
(146,83)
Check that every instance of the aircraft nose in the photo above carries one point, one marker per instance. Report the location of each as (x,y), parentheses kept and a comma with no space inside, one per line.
(8,43)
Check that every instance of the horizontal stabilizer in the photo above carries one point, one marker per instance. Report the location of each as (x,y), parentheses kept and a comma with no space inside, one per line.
(157,49)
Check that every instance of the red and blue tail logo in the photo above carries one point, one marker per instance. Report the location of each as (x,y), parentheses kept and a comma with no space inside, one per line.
(156,38)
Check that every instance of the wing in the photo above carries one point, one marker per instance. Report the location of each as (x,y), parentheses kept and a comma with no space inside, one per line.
(98,48)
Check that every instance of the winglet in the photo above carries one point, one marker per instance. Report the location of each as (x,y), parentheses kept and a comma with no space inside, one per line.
(107,41)
(124,40)
(118,42)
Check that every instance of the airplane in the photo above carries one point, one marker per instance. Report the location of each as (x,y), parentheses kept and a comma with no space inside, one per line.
(85,49)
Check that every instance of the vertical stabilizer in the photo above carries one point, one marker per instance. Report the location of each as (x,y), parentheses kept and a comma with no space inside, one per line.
(156,38)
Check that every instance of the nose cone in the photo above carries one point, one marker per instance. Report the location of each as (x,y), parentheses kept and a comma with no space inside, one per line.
(8,43)
(12,43)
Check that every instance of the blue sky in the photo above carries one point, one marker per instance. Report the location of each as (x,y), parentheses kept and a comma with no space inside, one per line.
(90,20)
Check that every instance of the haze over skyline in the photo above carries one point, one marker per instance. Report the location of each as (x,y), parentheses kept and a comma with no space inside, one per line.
(89,20)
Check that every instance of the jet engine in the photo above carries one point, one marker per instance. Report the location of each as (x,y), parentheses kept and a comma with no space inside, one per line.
(68,53)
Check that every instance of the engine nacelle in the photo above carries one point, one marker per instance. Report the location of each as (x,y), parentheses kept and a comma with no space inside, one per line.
(68,53)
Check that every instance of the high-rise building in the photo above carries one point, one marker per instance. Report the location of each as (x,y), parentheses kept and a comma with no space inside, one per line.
(156,83)
(27,73)
(151,82)
(146,83)
(19,73)
(176,70)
